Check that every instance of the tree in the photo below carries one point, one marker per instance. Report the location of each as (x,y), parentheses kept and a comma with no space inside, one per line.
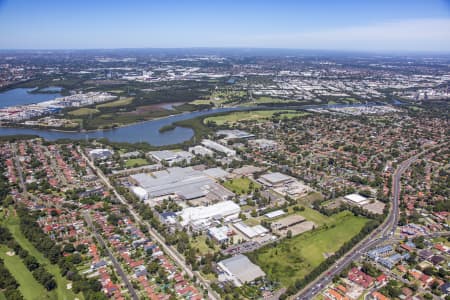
(289,234)
(31,263)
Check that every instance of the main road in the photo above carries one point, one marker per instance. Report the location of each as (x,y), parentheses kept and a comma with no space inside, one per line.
(177,257)
(381,234)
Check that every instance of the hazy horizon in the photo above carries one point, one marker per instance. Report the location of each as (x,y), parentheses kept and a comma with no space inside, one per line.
(349,26)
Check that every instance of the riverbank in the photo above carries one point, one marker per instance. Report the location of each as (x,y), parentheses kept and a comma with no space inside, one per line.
(148,131)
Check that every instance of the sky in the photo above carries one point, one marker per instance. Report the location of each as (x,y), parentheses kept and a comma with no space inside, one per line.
(362,25)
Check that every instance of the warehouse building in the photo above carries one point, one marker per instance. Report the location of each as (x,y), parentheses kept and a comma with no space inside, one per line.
(275,214)
(235,134)
(218,147)
(171,157)
(250,232)
(275,179)
(356,199)
(185,183)
(201,217)
(139,192)
(201,151)
(264,145)
(97,154)
(217,173)
(239,270)
(219,234)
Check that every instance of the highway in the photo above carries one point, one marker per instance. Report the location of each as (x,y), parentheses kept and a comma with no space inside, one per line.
(384,232)
(177,257)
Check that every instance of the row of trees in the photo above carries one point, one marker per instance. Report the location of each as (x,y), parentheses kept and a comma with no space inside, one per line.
(8,284)
(39,272)
(91,288)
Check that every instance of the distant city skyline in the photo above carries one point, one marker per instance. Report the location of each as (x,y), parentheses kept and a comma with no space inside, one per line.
(349,25)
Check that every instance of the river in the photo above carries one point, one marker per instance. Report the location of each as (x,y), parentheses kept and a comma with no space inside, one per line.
(22,96)
(147,131)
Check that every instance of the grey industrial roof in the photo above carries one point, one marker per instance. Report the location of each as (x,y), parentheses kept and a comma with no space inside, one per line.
(275,177)
(216,172)
(185,182)
(242,268)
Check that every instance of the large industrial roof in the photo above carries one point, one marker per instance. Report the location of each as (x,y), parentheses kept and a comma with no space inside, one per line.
(221,209)
(185,182)
(242,268)
(275,177)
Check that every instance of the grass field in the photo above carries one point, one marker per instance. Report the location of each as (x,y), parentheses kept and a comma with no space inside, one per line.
(265,100)
(199,242)
(61,291)
(84,111)
(311,197)
(201,102)
(240,185)
(292,259)
(235,117)
(136,162)
(29,287)
(117,103)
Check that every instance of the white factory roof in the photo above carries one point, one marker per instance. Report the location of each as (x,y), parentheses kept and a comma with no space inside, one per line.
(275,214)
(218,147)
(219,233)
(235,134)
(221,209)
(200,150)
(99,151)
(251,232)
(141,193)
(356,198)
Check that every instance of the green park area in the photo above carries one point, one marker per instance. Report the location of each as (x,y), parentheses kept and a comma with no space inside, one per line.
(199,242)
(136,162)
(293,258)
(266,100)
(61,291)
(255,115)
(116,103)
(240,185)
(84,111)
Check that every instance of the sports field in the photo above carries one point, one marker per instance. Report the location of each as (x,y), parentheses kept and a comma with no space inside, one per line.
(292,259)
(136,162)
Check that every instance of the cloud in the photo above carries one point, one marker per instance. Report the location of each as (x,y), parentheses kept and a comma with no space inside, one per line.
(409,35)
